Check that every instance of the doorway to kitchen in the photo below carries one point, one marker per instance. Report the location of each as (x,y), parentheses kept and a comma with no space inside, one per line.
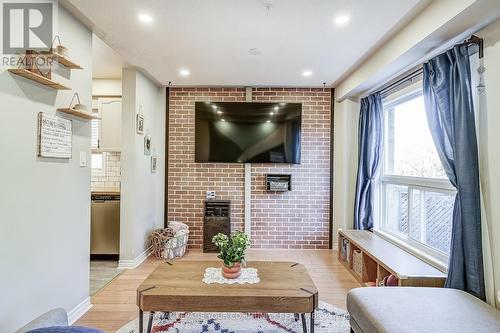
(105,166)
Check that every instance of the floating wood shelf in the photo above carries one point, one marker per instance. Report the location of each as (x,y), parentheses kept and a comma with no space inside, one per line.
(38,78)
(81,114)
(66,62)
(63,60)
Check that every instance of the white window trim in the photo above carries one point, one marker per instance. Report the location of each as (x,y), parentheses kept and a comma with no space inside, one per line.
(422,251)
(418,251)
(425,253)
(434,184)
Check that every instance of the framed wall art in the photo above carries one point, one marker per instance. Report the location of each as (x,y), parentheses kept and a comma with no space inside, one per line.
(154,161)
(139,123)
(147,145)
(54,136)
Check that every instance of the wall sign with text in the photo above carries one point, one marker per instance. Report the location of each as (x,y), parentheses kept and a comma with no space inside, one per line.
(54,136)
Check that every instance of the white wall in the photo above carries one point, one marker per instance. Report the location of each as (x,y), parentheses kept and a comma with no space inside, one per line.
(103,87)
(418,39)
(142,192)
(44,203)
(345,167)
(436,28)
(489,137)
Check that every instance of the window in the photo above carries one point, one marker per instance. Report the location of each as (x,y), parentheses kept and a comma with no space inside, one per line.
(97,158)
(94,135)
(98,163)
(416,199)
(94,127)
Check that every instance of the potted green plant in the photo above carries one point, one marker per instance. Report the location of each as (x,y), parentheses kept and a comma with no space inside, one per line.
(231,252)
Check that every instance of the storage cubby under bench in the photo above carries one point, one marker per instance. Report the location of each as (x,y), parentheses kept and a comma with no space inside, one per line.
(370,258)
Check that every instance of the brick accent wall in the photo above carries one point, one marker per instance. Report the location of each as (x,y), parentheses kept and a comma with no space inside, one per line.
(297,219)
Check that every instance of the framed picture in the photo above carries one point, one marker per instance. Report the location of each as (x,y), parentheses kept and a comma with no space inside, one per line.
(140,123)
(54,136)
(147,145)
(154,161)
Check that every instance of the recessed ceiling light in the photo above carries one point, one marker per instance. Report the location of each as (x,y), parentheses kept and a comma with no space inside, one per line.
(219,112)
(145,18)
(342,19)
(268,121)
(214,106)
(184,72)
(276,108)
(272,113)
(223,119)
(307,73)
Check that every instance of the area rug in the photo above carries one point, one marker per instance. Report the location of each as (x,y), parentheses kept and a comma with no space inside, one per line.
(328,319)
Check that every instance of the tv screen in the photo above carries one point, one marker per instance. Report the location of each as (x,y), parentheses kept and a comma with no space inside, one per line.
(235,132)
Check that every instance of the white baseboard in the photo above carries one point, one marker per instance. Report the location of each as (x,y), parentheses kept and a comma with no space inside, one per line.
(79,310)
(133,263)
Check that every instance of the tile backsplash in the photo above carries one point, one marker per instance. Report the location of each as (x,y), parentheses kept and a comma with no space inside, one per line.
(110,180)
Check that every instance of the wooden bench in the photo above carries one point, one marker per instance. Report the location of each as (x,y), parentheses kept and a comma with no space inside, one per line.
(380,258)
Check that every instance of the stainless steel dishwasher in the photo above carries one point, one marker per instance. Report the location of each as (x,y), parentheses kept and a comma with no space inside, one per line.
(105,226)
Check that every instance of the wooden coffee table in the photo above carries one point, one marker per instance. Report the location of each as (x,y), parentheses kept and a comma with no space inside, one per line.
(284,287)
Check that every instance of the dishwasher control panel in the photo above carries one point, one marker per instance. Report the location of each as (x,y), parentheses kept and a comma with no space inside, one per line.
(102,197)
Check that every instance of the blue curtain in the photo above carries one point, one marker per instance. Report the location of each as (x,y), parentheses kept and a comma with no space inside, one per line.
(370,153)
(450,114)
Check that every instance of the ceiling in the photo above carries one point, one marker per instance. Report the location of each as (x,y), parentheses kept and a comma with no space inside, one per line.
(242,43)
(106,63)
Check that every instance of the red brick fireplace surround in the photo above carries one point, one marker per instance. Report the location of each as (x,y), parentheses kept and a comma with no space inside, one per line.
(298,219)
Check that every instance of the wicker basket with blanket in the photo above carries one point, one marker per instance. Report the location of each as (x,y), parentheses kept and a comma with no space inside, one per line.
(170,242)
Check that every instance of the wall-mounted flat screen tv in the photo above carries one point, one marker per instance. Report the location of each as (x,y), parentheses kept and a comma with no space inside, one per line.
(236,132)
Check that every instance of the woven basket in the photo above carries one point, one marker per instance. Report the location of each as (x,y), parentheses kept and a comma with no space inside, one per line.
(171,242)
(357,265)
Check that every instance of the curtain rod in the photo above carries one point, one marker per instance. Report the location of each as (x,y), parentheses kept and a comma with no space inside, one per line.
(473,40)
(401,81)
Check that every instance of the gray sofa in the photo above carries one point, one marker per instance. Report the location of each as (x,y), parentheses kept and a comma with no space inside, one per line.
(419,310)
(54,321)
(56,317)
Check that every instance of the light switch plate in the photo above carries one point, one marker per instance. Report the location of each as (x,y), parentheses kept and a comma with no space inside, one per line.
(83,159)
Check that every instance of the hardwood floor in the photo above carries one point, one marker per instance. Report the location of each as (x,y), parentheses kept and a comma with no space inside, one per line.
(101,273)
(114,305)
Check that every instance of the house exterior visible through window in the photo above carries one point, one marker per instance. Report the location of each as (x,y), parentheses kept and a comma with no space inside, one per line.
(415,196)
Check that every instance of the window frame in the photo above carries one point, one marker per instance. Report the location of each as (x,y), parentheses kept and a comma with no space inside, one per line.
(95,124)
(437,185)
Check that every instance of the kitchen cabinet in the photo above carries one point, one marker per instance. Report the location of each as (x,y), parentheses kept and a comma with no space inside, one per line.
(110,131)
